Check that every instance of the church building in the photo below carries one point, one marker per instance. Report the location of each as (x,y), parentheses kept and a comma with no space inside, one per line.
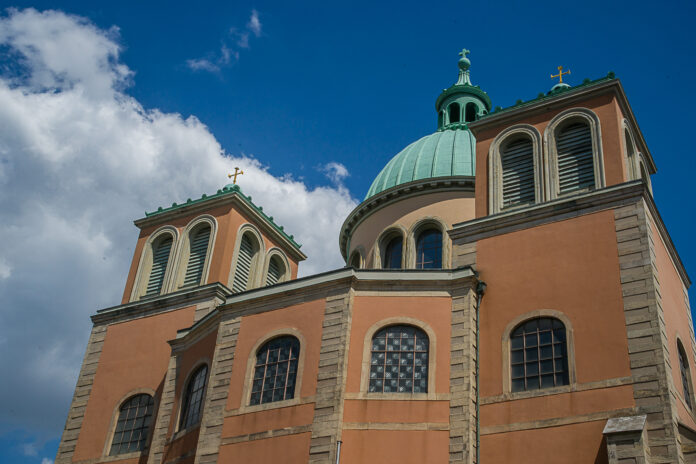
(510,294)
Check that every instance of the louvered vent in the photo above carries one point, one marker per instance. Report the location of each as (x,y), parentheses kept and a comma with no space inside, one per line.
(241,274)
(575,159)
(518,173)
(160,258)
(275,271)
(199,248)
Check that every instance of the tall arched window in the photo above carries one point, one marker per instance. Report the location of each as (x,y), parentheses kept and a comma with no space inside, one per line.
(161,250)
(454,112)
(198,251)
(193,398)
(399,360)
(429,249)
(275,372)
(133,425)
(630,155)
(246,261)
(685,374)
(276,271)
(576,169)
(392,253)
(517,163)
(470,111)
(355,260)
(538,355)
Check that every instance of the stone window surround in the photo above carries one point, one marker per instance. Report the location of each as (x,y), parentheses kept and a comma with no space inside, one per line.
(681,351)
(570,347)
(245,407)
(270,254)
(495,169)
(367,357)
(551,161)
(409,237)
(257,270)
(384,239)
(183,250)
(180,403)
(114,419)
(145,264)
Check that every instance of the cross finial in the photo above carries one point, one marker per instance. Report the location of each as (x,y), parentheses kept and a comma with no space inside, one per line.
(464,52)
(237,172)
(560,74)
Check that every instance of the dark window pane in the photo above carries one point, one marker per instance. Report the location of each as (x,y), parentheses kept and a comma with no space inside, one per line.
(392,254)
(193,399)
(276,370)
(132,425)
(405,361)
(429,250)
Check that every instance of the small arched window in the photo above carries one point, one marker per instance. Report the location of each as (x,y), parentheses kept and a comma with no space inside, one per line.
(198,251)
(538,355)
(193,398)
(275,371)
(517,163)
(454,112)
(630,155)
(392,253)
(399,360)
(575,157)
(161,250)
(246,261)
(470,111)
(685,374)
(133,425)
(355,260)
(276,271)
(429,249)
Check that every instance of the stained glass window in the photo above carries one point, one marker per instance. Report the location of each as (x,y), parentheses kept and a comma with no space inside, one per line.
(133,424)
(429,250)
(399,360)
(539,355)
(193,400)
(275,372)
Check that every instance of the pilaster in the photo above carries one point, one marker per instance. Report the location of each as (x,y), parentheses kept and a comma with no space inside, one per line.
(164,414)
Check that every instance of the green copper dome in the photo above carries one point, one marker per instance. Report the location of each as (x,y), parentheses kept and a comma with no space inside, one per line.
(445,153)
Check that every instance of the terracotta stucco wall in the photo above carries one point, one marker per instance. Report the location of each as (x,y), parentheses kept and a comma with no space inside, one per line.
(289,449)
(395,447)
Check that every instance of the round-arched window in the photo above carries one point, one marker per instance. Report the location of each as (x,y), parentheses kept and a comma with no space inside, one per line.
(392,253)
(429,249)
(538,355)
(399,360)
(275,371)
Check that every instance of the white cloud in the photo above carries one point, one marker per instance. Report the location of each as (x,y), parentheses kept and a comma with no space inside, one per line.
(336,172)
(254,25)
(201,64)
(29,449)
(5,269)
(46,461)
(79,160)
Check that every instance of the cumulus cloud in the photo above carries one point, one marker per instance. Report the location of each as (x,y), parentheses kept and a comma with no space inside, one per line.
(254,25)
(335,172)
(79,160)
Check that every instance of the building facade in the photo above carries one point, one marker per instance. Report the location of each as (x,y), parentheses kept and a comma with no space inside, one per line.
(511,294)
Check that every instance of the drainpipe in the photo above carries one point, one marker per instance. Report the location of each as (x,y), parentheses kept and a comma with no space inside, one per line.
(338,452)
(480,290)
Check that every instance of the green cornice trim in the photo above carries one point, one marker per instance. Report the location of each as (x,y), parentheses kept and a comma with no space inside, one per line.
(227,190)
(470,89)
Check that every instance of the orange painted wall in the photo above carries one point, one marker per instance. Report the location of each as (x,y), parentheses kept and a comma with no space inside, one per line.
(135,355)
(570,444)
(609,114)
(395,411)
(288,449)
(271,419)
(229,220)
(569,266)
(676,320)
(395,447)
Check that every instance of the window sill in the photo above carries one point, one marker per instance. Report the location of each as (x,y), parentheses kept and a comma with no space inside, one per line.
(124,456)
(398,396)
(271,405)
(183,432)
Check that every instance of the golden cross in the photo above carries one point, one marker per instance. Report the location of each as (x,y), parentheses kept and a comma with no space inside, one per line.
(560,74)
(237,172)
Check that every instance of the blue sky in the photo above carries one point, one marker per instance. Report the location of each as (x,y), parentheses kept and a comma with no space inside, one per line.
(310,99)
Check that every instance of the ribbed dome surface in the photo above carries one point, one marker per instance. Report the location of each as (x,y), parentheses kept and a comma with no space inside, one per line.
(445,153)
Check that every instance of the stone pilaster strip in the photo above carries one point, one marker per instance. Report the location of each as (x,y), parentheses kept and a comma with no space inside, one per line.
(164,414)
(328,409)
(216,395)
(85,380)
(464,254)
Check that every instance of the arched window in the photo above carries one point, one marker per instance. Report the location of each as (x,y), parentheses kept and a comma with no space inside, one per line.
(517,163)
(275,372)
(198,251)
(246,261)
(470,111)
(630,155)
(538,355)
(685,374)
(355,260)
(440,118)
(193,398)
(429,249)
(276,271)
(399,360)
(161,250)
(454,112)
(576,169)
(392,253)
(133,425)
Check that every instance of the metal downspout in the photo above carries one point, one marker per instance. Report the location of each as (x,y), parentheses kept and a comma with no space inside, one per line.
(480,290)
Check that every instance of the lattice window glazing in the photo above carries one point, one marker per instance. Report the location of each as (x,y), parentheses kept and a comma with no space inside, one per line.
(193,400)
(399,360)
(275,372)
(133,425)
(684,368)
(539,355)
(429,250)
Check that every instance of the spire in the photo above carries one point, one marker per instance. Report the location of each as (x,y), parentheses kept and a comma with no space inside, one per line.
(464,65)
(463,102)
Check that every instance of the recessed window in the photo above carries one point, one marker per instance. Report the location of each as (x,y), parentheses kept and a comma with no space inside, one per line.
(575,157)
(399,360)
(133,425)
(517,162)
(275,371)
(193,398)
(276,271)
(355,260)
(454,112)
(539,355)
(470,112)
(685,374)
(392,253)
(198,251)
(429,249)
(247,257)
(160,258)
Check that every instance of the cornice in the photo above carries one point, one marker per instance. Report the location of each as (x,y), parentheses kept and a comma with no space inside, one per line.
(396,194)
